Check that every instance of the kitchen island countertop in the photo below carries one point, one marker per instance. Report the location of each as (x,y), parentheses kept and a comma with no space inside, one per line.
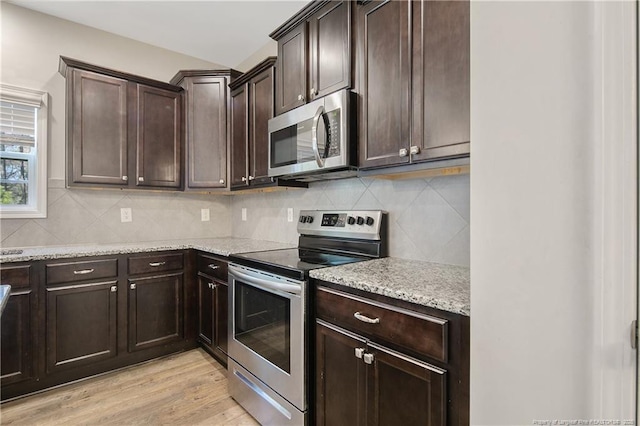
(435,285)
(219,246)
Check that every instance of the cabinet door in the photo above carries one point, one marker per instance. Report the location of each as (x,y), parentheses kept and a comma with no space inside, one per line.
(17,359)
(261,110)
(441,100)
(384,78)
(340,377)
(207,132)
(240,137)
(291,75)
(330,49)
(155,311)
(221,318)
(97,129)
(81,324)
(205,310)
(404,391)
(158,137)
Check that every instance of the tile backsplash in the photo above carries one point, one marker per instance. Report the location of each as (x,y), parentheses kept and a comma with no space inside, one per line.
(78,216)
(428,218)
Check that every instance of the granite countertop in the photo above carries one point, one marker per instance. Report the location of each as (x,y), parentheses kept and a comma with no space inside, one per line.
(219,246)
(5,291)
(435,285)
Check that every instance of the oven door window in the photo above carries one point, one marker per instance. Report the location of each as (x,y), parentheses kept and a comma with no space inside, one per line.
(262,324)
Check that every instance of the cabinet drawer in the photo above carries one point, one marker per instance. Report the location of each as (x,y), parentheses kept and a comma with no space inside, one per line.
(155,263)
(213,266)
(417,332)
(15,276)
(81,271)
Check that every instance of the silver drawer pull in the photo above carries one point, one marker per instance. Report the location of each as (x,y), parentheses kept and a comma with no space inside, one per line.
(83,271)
(154,264)
(368,320)
(213,266)
(368,358)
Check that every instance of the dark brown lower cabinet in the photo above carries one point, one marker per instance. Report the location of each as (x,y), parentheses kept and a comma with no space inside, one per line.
(81,324)
(16,362)
(212,309)
(155,310)
(361,383)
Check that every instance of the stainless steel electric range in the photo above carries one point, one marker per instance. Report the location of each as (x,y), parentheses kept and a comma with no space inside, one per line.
(269,305)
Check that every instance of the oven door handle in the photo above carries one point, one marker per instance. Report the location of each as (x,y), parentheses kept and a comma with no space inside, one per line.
(314,136)
(266,284)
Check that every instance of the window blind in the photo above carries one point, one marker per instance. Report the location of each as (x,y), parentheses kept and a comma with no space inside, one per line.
(17,124)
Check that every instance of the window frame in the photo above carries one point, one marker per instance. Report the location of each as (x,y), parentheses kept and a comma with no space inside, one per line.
(37,208)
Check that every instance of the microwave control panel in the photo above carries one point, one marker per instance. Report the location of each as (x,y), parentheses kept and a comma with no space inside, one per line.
(332,119)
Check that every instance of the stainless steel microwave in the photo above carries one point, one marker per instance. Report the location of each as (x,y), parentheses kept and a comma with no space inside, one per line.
(314,138)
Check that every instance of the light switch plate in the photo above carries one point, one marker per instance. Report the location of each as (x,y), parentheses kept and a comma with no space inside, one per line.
(126,215)
(204,215)
(289,214)
(244,214)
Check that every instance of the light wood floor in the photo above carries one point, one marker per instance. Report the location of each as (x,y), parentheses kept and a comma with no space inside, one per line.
(189,388)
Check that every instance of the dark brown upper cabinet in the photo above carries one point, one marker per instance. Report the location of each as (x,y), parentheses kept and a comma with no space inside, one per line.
(251,108)
(207,99)
(412,75)
(122,130)
(314,53)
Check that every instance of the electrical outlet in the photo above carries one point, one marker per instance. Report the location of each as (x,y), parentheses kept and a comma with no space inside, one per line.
(126,215)
(244,214)
(289,214)
(204,215)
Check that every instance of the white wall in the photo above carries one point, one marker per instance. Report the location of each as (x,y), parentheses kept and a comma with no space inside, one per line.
(269,49)
(31,44)
(539,349)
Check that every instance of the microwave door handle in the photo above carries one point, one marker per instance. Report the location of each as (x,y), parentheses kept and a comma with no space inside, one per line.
(314,135)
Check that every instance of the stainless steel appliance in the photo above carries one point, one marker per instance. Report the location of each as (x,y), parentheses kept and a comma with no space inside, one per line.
(314,139)
(268,300)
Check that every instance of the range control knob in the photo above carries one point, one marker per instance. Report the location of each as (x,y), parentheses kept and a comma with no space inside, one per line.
(309,219)
(351,220)
(302,219)
(369,220)
(360,220)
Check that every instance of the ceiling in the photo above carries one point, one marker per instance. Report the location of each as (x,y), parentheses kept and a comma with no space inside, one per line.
(224,32)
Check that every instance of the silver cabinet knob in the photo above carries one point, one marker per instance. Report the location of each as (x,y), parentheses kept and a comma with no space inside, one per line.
(359,352)
(132,286)
(415,150)
(244,179)
(368,358)
(251,178)
(314,91)
(212,286)
(221,181)
(301,98)
(114,288)
(140,179)
(403,152)
(125,178)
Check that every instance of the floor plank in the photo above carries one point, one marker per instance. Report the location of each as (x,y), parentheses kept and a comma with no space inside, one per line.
(189,388)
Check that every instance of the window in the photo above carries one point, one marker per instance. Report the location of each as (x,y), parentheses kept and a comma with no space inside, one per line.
(23,152)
